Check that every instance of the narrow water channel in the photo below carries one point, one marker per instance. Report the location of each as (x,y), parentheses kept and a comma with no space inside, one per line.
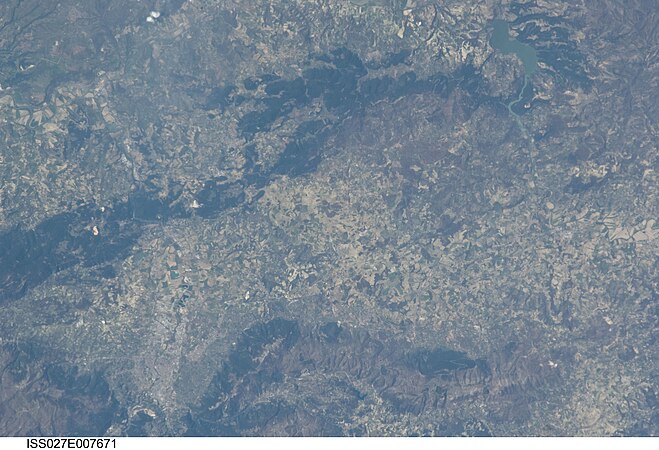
(501,41)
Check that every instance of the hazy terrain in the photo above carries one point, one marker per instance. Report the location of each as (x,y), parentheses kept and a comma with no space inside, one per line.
(328,217)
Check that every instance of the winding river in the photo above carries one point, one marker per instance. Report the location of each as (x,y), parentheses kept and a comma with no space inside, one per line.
(501,41)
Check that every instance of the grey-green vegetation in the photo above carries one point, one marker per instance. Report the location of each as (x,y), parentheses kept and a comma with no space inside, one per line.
(328,217)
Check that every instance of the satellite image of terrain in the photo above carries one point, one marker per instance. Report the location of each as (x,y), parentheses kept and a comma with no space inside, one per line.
(329,218)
